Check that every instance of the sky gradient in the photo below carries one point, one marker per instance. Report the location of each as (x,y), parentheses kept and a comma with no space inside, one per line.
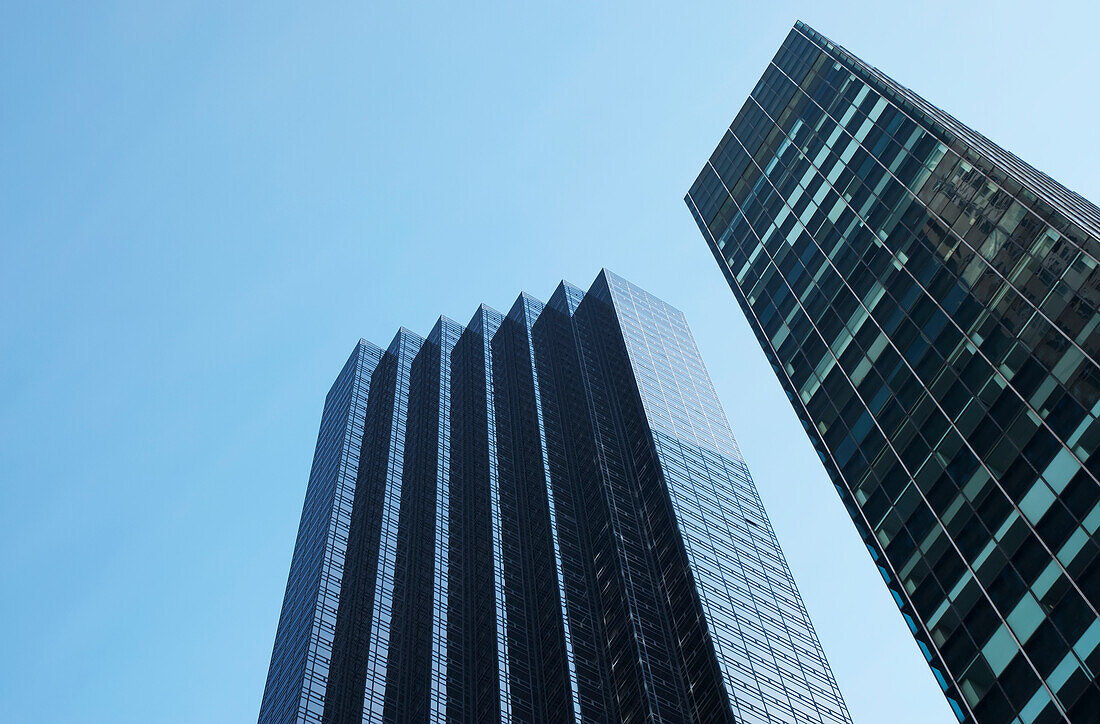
(203,206)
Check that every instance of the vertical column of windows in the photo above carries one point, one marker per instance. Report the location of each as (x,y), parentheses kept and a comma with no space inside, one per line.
(303,643)
(404,348)
(589,571)
(449,333)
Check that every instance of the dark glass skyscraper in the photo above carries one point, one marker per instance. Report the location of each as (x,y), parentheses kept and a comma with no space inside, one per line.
(929,303)
(540,516)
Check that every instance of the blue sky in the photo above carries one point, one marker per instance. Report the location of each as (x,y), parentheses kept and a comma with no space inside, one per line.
(204,205)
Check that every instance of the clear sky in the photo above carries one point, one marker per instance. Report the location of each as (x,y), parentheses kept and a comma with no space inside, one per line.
(204,205)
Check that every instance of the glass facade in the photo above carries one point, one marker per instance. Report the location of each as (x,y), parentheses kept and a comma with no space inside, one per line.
(929,303)
(297,678)
(540,516)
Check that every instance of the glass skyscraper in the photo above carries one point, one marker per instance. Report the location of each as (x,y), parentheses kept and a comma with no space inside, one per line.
(929,303)
(540,516)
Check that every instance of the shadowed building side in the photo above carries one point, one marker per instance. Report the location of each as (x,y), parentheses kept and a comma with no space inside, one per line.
(357,674)
(581,515)
(477,672)
(416,684)
(541,663)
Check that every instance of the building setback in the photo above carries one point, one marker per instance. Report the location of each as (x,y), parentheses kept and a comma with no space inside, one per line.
(540,516)
(929,303)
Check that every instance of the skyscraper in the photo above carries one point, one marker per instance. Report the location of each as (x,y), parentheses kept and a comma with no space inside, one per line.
(929,303)
(540,516)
